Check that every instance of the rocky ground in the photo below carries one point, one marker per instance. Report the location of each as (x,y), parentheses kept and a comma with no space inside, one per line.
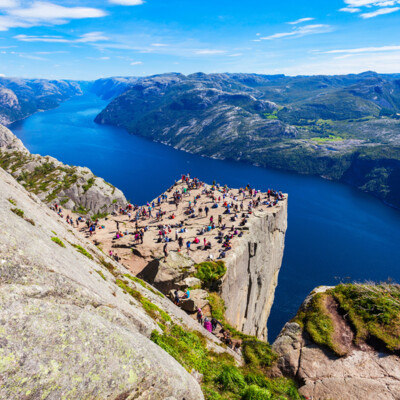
(364,371)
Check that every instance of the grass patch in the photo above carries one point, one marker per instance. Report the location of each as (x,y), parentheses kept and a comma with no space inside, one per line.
(99,216)
(222,379)
(209,271)
(18,212)
(101,274)
(143,283)
(110,267)
(81,210)
(83,251)
(88,185)
(374,311)
(154,311)
(58,241)
(330,138)
(12,201)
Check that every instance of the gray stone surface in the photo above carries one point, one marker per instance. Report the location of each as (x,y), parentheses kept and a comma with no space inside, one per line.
(100,197)
(253,265)
(363,374)
(65,332)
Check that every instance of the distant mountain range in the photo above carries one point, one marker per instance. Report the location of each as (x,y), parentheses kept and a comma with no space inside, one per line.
(343,127)
(20,98)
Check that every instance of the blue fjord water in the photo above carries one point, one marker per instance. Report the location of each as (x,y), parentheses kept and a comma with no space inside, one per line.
(335,233)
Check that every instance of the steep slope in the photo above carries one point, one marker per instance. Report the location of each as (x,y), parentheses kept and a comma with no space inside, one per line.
(74,188)
(20,98)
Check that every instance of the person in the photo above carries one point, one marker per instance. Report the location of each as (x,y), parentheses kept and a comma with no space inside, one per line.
(165,249)
(215,323)
(206,209)
(186,295)
(176,298)
(199,315)
(207,324)
(237,348)
(180,242)
(188,246)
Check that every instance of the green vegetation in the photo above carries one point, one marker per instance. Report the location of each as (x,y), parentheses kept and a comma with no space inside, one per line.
(154,311)
(81,210)
(209,271)
(144,284)
(222,379)
(99,216)
(88,185)
(58,241)
(83,251)
(101,274)
(18,212)
(373,311)
(12,201)
(330,138)
(109,266)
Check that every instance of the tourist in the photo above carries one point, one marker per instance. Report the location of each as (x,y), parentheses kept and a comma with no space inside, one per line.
(199,315)
(207,325)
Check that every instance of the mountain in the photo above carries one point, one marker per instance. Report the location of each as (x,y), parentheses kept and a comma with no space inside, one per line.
(344,127)
(20,98)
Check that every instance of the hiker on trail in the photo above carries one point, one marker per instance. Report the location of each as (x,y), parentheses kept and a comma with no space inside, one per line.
(165,250)
(207,324)
(215,323)
(206,209)
(188,246)
(180,242)
(199,315)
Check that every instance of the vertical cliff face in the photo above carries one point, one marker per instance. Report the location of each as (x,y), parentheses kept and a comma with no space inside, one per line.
(248,288)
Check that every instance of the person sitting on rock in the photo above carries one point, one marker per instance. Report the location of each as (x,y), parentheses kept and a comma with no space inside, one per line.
(186,296)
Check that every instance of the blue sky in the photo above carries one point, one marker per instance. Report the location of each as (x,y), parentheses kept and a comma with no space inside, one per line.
(92,39)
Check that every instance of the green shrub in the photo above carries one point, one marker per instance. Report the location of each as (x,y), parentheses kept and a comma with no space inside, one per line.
(101,274)
(210,271)
(253,392)
(12,201)
(83,251)
(257,353)
(99,216)
(58,241)
(88,185)
(18,212)
(230,378)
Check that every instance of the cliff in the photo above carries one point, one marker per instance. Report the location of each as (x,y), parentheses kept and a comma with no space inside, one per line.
(74,188)
(343,343)
(248,288)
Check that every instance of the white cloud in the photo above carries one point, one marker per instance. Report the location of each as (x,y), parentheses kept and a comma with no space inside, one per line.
(8,3)
(382,7)
(381,11)
(90,37)
(301,31)
(363,50)
(43,13)
(236,55)
(136,62)
(209,52)
(127,2)
(350,9)
(98,58)
(159,45)
(299,21)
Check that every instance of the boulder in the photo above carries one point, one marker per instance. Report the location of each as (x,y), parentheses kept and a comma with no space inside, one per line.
(198,298)
(168,273)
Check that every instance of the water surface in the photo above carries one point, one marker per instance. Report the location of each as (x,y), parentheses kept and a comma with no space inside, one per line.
(335,233)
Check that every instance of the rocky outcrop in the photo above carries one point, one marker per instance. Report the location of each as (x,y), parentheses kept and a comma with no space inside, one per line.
(67,328)
(363,373)
(74,188)
(253,266)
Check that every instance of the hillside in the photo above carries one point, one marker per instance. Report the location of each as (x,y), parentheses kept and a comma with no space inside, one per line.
(340,127)
(76,324)
(20,98)
(344,343)
(74,188)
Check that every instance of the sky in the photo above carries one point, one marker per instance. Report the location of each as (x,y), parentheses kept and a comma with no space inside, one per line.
(86,40)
